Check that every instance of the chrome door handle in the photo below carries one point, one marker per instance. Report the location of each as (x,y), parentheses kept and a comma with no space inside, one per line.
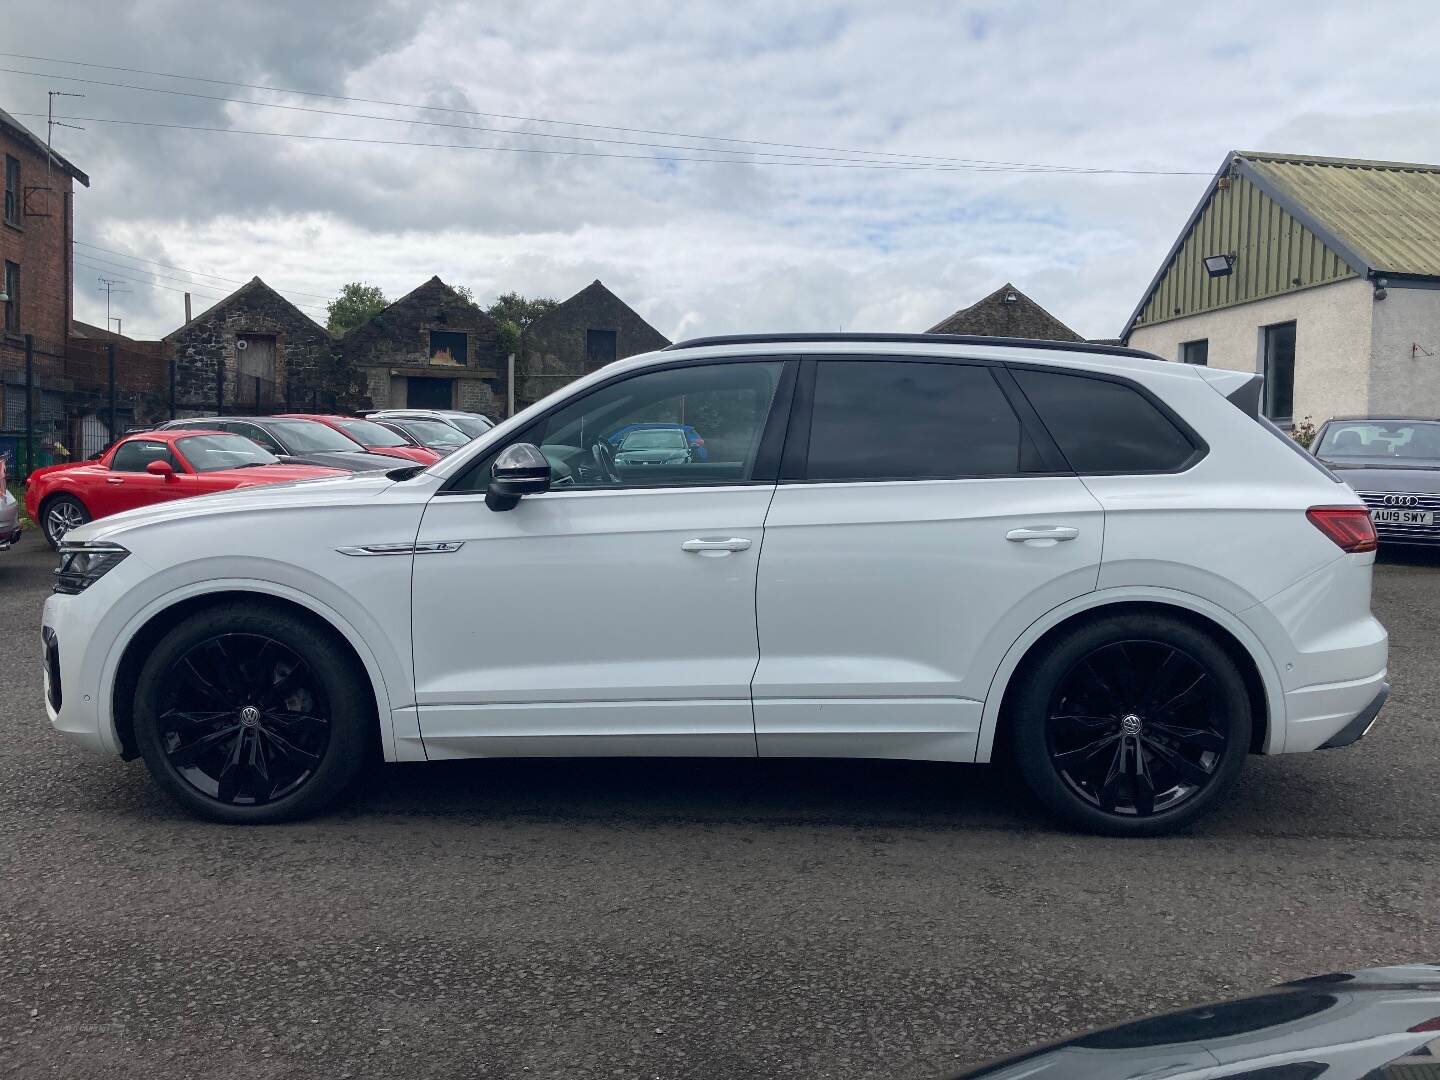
(715,547)
(1047,534)
(114,479)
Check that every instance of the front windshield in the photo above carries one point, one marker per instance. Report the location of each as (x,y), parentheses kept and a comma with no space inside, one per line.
(369,433)
(307,436)
(673,439)
(432,432)
(471,425)
(1402,442)
(211,453)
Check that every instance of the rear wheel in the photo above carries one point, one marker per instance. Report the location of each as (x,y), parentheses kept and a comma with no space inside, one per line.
(1132,725)
(249,714)
(59,515)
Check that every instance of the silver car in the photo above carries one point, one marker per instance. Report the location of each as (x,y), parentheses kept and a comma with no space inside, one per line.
(9,513)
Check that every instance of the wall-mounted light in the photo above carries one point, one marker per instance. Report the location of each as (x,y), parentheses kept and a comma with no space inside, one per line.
(1380,292)
(1219,265)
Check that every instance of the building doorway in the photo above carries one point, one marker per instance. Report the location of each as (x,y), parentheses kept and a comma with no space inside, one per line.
(426,393)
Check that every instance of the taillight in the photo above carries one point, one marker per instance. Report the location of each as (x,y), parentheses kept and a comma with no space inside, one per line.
(1349,526)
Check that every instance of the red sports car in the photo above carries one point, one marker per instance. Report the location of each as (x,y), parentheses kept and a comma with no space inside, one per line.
(374,437)
(157,466)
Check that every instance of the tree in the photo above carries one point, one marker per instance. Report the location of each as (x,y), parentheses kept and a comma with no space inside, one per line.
(356,303)
(514,313)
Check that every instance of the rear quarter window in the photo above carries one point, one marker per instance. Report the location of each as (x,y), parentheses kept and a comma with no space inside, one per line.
(1105,426)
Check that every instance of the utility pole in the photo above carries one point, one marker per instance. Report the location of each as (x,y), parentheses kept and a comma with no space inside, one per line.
(51,124)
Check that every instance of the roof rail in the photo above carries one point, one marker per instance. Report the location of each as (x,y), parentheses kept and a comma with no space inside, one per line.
(918,339)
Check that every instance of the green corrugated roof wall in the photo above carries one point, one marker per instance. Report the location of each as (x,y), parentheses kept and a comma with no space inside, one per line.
(1272,251)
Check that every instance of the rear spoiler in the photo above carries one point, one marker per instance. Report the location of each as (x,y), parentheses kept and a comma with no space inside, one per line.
(1241,388)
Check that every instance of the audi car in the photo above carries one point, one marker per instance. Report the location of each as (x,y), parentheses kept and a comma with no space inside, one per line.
(1394,465)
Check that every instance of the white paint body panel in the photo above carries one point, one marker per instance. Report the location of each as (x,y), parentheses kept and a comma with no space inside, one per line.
(877,619)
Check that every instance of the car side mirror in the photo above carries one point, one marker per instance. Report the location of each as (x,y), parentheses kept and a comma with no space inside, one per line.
(160,467)
(519,469)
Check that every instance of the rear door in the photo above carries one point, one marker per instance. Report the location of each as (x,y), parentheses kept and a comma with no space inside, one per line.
(922,521)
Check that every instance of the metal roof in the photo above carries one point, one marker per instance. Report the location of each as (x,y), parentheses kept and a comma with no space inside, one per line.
(1387,212)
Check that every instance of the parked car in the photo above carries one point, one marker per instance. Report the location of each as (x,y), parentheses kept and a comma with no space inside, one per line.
(295,442)
(698,450)
(9,512)
(1375,1024)
(472,424)
(156,467)
(1108,564)
(435,435)
(1394,464)
(653,446)
(374,437)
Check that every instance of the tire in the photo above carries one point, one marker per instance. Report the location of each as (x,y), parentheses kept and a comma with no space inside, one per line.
(1131,725)
(59,515)
(247,713)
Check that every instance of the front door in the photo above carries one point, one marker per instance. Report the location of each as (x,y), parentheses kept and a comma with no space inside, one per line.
(614,614)
(127,484)
(910,541)
(426,393)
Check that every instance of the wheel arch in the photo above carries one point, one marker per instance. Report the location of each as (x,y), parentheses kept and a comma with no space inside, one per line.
(148,628)
(1262,681)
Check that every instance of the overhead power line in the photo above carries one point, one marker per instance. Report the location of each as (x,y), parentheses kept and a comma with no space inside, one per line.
(743,145)
(882,166)
(187,270)
(137,277)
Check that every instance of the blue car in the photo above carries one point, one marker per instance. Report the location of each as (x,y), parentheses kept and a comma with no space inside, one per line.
(697,444)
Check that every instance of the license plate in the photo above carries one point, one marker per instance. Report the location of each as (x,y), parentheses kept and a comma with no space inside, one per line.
(1403,517)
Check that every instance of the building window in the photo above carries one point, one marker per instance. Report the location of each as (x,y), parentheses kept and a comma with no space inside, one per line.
(448,347)
(12,190)
(599,347)
(1195,352)
(1279,371)
(12,290)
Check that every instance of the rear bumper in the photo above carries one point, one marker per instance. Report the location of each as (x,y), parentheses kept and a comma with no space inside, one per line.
(1359,727)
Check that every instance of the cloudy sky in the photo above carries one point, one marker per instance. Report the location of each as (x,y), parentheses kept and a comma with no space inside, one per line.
(792,234)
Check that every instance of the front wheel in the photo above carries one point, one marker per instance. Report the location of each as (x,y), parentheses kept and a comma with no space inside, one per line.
(1132,725)
(246,713)
(59,515)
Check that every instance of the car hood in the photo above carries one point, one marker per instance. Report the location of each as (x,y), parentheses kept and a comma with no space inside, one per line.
(1344,1027)
(1416,478)
(346,489)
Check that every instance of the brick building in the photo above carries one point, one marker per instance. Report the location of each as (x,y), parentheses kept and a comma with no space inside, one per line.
(256,351)
(585,332)
(36,274)
(431,349)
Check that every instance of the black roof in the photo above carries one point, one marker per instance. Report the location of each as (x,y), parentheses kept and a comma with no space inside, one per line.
(917,339)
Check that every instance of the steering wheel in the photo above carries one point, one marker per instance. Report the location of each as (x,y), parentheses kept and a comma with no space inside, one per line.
(605,461)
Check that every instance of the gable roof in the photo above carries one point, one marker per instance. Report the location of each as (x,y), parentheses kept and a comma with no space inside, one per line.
(250,290)
(995,316)
(19,131)
(1376,217)
(595,292)
(433,291)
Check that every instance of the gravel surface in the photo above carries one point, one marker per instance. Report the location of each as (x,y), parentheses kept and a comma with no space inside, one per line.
(673,919)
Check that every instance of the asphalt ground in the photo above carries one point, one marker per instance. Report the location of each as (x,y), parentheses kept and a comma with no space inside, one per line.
(674,919)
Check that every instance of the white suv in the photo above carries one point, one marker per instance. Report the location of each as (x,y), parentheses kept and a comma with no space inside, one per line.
(893,547)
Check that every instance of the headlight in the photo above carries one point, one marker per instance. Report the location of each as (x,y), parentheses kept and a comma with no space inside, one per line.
(82,564)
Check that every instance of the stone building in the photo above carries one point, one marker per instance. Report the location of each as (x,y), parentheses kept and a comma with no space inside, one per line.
(255,351)
(585,332)
(431,349)
(1006,312)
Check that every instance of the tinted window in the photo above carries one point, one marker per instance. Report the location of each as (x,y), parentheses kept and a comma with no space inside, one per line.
(369,433)
(431,432)
(210,453)
(254,434)
(902,420)
(134,455)
(308,436)
(1104,426)
(474,426)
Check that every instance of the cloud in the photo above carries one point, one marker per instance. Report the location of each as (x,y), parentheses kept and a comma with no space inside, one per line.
(702,248)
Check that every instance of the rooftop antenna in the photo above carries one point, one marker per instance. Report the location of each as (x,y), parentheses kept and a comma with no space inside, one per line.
(111,285)
(51,124)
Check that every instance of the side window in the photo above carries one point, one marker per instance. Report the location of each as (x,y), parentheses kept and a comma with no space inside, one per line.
(909,420)
(1103,426)
(134,455)
(255,435)
(684,426)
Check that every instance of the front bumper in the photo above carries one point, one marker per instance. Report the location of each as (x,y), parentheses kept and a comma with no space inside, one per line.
(1358,728)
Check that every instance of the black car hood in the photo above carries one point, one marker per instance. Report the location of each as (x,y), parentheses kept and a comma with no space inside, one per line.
(1342,1027)
(1414,478)
(351,461)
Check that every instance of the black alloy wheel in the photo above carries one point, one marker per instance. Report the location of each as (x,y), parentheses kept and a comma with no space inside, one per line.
(1132,725)
(250,713)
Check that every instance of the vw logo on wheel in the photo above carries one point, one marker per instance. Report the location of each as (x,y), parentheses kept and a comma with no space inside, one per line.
(1402,500)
